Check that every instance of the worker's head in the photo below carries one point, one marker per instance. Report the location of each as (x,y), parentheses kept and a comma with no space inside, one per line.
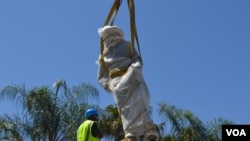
(91,114)
(108,30)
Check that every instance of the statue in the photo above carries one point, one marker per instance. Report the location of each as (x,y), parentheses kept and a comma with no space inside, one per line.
(120,73)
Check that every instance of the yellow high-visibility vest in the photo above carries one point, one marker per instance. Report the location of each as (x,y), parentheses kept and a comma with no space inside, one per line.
(84,132)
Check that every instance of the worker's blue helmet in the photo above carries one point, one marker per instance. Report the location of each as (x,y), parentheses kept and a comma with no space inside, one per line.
(90,112)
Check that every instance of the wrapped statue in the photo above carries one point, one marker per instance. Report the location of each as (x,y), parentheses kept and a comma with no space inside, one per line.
(120,73)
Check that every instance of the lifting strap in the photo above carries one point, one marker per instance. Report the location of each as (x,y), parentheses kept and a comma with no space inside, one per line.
(133,31)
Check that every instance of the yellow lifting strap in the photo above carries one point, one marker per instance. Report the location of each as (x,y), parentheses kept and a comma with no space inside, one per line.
(133,31)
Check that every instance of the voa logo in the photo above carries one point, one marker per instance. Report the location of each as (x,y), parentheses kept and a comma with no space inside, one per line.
(236,132)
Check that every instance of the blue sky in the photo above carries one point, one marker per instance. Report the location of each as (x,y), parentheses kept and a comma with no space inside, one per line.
(195,52)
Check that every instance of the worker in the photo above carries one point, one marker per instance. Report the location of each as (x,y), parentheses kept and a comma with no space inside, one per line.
(120,73)
(89,130)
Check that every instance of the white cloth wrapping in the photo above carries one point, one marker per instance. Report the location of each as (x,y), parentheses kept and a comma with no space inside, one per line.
(130,91)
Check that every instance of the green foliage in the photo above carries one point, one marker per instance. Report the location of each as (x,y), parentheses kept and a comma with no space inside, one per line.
(47,114)
(55,114)
(185,126)
(111,123)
